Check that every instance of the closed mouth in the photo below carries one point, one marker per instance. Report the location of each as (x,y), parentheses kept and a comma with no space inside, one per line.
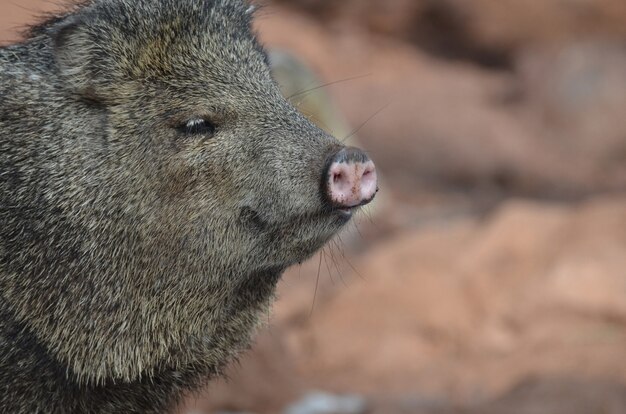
(344,214)
(347,212)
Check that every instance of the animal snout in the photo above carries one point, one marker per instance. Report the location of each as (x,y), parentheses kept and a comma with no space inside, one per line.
(350,179)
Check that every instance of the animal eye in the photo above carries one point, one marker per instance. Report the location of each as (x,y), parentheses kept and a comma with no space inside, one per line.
(197,127)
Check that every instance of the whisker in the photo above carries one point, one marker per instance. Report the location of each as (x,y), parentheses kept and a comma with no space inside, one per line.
(315,120)
(334,259)
(368,213)
(317,282)
(343,255)
(327,267)
(367,121)
(356,227)
(327,84)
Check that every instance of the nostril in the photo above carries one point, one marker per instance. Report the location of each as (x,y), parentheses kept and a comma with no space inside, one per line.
(369,172)
(350,179)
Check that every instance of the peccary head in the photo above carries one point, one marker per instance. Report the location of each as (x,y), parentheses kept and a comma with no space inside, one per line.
(168,187)
(199,135)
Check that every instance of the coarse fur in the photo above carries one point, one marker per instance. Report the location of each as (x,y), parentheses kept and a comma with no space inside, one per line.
(136,256)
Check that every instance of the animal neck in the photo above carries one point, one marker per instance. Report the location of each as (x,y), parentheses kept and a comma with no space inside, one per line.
(34,374)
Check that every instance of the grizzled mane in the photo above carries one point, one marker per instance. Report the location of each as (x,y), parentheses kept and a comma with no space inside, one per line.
(40,28)
(134,17)
(46,21)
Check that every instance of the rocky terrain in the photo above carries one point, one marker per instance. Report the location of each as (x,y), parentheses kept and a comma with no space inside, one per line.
(491,276)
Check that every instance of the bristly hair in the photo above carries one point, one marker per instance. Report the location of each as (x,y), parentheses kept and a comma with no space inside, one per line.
(49,19)
(46,20)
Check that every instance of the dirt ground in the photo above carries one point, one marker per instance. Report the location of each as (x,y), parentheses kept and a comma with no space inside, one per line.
(491,277)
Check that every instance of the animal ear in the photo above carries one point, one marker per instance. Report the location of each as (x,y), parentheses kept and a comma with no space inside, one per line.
(74,51)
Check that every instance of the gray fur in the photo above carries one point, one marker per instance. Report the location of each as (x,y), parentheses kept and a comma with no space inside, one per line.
(135,259)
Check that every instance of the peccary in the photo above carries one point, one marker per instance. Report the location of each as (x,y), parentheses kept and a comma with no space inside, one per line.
(154,185)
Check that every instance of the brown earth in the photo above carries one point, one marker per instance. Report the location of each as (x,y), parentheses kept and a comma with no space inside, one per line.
(493,278)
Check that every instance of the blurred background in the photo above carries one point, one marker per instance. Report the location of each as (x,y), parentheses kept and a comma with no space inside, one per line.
(490,275)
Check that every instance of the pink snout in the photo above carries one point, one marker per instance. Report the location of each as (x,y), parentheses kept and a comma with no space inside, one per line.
(351,179)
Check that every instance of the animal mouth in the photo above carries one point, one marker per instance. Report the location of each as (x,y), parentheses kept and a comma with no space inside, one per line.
(348,212)
(339,214)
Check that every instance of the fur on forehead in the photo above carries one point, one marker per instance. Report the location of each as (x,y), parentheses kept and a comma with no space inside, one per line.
(144,11)
(141,39)
(151,17)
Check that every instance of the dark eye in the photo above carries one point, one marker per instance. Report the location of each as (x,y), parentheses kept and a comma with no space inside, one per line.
(197,127)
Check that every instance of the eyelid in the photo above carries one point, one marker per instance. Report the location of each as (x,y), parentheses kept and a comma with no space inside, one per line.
(197,126)
(195,121)
(214,115)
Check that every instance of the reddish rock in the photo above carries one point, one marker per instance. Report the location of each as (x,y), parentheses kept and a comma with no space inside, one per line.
(475,307)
